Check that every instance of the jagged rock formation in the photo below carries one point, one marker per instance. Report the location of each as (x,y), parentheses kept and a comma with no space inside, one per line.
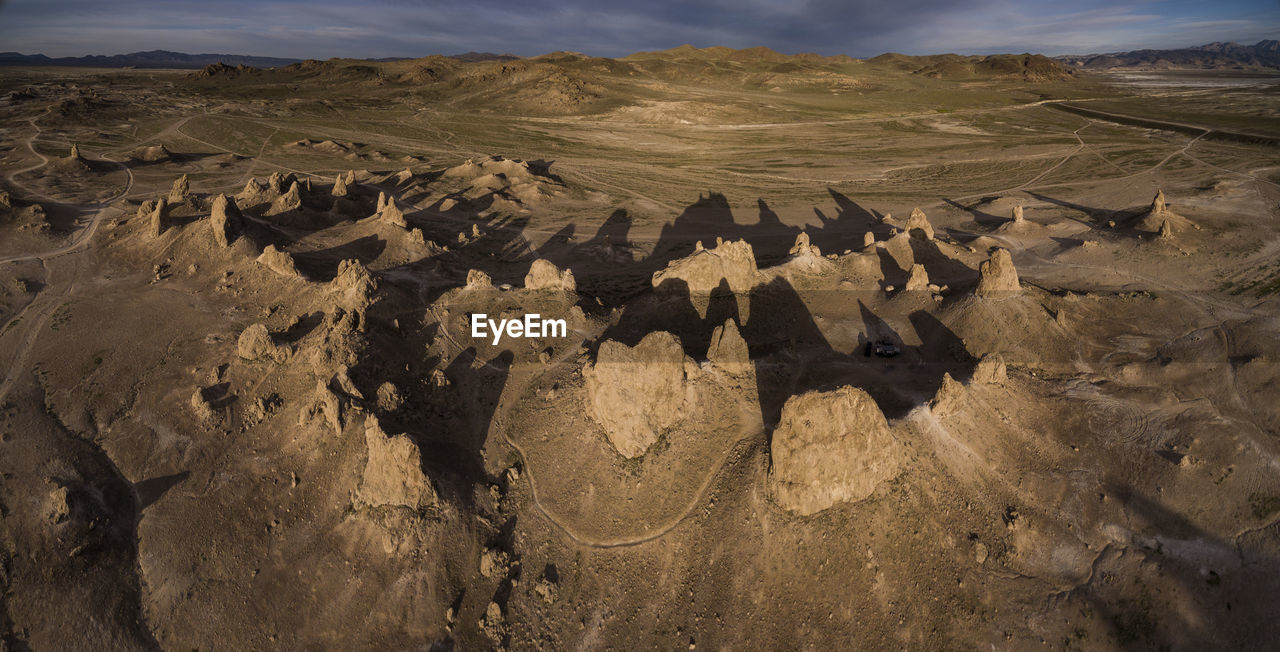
(803,248)
(255,343)
(390,213)
(1017,214)
(544,275)
(1158,204)
(478,280)
(918,279)
(75,153)
(393,471)
(830,447)
(868,239)
(225,220)
(279,262)
(638,393)
(918,225)
(180,191)
(704,269)
(289,201)
(158,217)
(339,187)
(728,349)
(1166,229)
(353,286)
(998,277)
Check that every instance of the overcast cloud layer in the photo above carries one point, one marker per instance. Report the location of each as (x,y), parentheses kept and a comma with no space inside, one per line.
(408,28)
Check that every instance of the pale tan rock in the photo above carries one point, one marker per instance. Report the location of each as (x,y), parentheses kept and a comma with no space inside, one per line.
(733,262)
(728,350)
(289,201)
(391,214)
(998,277)
(637,394)
(1017,214)
(339,187)
(991,370)
(75,153)
(828,448)
(353,285)
(868,239)
(159,217)
(478,280)
(1166,229)
(544,275)
(255,343)
(393,472)
(918,224)
(180,191)
(225,220)
(200,407)
(918,279)
(1158,204)
(325,406)
(279,262)
(803,248)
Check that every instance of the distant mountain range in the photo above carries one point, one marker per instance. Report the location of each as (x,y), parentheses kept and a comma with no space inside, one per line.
(1213,56)
(167,59)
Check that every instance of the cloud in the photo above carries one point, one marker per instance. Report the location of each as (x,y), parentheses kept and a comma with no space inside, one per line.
(325,28)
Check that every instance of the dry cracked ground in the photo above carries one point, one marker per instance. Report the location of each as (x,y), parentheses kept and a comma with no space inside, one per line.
(242,407)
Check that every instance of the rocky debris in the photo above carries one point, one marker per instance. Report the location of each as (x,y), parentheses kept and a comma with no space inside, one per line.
(494,563)
(492,624)
(990,370)
(325,406)
(226,220)
(1158,204)
(546,589)
(830,447)
(201,408)
(478,280)
(728,350)
(158,217)
(255,343)
(279,262)
(998,277)
(353,285)
(57,505)
(918,279)
(180,190)
(393,473)
(544,275)
(803,248)
(868,239)
(638,393)
(704,269)
(389,397)
(341,381)
(289,201)
(339,187)
(918,225)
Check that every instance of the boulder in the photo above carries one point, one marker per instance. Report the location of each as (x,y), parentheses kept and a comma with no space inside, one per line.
(638,393)
(353,285)
(339,187)
(393,471)
(803,248)
(868,239)
(828,448)
(997,276)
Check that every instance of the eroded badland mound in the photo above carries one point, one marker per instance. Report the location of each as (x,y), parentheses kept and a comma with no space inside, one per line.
(462,354)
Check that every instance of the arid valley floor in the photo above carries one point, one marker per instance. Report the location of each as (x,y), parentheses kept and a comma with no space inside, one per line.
(241,406)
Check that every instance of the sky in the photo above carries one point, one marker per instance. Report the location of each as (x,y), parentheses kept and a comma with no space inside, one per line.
(411,28)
